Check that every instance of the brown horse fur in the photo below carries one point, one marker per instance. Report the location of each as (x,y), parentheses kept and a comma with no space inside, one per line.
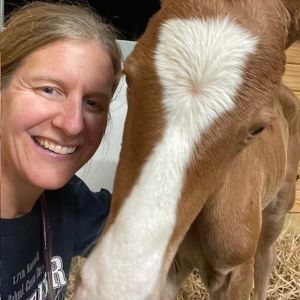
(240,181)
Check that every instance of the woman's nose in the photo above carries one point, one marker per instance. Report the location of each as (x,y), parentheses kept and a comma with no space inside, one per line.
(70,118)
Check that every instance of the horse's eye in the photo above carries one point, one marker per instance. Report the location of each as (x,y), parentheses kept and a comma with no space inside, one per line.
(257,130)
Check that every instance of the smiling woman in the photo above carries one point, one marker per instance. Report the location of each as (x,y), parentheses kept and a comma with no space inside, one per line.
(61,121)
(58,77)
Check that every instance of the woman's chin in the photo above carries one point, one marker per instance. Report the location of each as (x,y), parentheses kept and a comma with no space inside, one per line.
(52,183)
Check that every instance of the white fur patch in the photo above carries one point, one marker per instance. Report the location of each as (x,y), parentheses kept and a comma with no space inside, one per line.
(200,67)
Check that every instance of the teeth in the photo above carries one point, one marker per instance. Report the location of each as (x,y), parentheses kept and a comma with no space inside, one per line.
(54,147)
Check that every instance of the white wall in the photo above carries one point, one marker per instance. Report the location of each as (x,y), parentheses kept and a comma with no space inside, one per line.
(100,170)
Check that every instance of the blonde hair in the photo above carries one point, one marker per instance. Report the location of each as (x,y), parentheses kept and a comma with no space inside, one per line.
(40,23)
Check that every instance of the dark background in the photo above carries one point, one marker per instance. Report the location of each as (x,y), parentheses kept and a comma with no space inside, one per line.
(130,17)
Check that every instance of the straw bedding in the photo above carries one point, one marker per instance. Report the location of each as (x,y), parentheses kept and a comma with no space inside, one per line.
(284,283)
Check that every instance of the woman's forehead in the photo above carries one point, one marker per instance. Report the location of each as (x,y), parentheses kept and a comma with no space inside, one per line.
(70,62)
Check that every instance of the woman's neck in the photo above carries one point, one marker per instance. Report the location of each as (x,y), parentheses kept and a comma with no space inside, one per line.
(17,201)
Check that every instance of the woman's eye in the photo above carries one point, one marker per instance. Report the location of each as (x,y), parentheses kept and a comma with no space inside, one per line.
(94,105)
(90,102)
(50,93)
(48,90)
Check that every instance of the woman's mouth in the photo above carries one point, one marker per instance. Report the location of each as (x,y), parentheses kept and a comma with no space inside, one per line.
(53,147)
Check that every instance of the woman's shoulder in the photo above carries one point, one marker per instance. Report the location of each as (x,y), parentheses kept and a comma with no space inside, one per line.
(74,188)
(83,210)
(76,192)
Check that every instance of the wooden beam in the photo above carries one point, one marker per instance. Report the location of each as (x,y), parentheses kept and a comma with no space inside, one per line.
(293,54)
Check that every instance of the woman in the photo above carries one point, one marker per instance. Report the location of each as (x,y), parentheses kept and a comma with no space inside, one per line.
(60,65)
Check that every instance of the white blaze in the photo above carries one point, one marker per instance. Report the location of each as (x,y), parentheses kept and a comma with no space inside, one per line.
(200,66)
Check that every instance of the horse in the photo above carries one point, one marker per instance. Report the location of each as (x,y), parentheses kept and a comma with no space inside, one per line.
(209,154)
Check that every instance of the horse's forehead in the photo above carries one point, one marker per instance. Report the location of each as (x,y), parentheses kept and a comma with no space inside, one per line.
(193,49)
(260,18)
(200,38)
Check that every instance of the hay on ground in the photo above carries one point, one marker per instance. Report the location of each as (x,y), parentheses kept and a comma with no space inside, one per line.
(284,283)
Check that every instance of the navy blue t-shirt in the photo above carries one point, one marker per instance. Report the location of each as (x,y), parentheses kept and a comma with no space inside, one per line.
(76,217)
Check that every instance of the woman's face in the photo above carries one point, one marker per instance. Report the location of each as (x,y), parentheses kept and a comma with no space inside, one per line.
(54,112)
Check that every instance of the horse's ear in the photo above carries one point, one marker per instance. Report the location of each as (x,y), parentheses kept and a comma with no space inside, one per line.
(293,8)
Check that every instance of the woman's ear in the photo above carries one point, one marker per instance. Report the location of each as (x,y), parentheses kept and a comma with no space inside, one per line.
(293,8)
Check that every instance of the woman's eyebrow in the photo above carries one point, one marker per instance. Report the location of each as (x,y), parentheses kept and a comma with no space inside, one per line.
(100,95)
(46,78)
